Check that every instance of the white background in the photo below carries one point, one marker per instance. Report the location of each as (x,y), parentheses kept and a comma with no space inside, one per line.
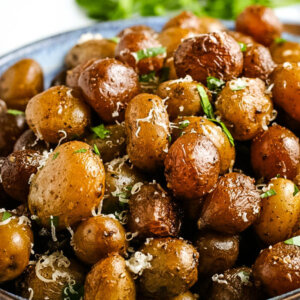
(24,21)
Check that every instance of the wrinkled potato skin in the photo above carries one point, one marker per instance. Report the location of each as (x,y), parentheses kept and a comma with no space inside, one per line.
(109,279)
(173,268)
(85,51)
(15,248)
(192,166)
(215,54)
(20,82)
(245,111)
(217,252)
(212,131)
(98,236)
(152,213)
(286,79)
(259,22)
(69,186)
(232,206)
(280,213)
(275,151)
(114,85)
(133,42)
(16,171)
(286,51)
(58,108)
(278,268)
(148,140)
(258,62)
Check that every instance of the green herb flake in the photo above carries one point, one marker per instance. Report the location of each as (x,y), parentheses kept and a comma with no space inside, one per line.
(243,46)
(268,193)
(214,84)
(129,188)
(115,39)
(225,130)
(279,40)
(150,52)
(15,112)
(73,292)
(293,241)
(296,190)
(170,138)
(82,150)
(206,106)
(183,124)
(54,221)
(101,131)
(55,155)
(6,215)
(278,176)
(96,150)
(147,77)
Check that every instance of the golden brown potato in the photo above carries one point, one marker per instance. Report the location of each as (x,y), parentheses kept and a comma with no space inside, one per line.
(258,62)
(185,20)
(232,206)
(68,187)
(173,267)
(280,212)
(20,82)
(96,48)
(241,38)
(16,173)
(56,113)
(214,132)
(278,268)
(147,129)
(15,246)
(135,43)
(184,296)
(109,279)
(98,236)
(217,252)
(136,28)
(260,22)
(275,151)
(215,54)
(192,166)
(286,79)
(169,63)
(244,107)
(283,51)
(152,213)
(208,24)
(113,86)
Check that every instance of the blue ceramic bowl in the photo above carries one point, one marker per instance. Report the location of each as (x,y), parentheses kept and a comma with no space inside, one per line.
(50,53)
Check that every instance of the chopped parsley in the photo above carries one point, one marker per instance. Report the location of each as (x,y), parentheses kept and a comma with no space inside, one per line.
(82,150)
(115,39)
(293,241)
(268,193)
(6,215)
(296,190)
(169,138)
(101,131)
(183,124)
(279,40)
(225,130)
(54,220)
(55,155)
(150,52)
(96,150)
(147,77)
(214,84)
(278,176)
(15,112)
(243,46)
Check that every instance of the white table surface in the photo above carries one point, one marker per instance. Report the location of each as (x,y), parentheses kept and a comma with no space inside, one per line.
(25,21)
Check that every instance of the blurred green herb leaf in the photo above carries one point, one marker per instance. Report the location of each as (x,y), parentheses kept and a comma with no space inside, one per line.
(15,112)
(150,52)
(6,215)
(101,131)
(214,84)
(268,193)
(293,241)
(243,46)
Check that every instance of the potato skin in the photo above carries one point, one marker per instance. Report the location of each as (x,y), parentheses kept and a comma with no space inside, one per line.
(147,129)
(285,91)
(285,51)
(280,212)
(275,151)
(215,54)
(152,213)
(16,172)
(15,248)
(136,28)
(108,85)
(55,110)
(20,82)
(260,22)
(69,186)
(184,296)
(85,51)
(245,112)
(278,268)
(185,20)
(192,166)
(98,236)
(109,279)
(241,38)
(232,206)
(173,268)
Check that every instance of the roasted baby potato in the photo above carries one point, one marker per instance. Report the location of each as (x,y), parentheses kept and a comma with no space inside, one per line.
(20,82)
(232,206)
(98,236)
(241,38)
(68,187)
(192,166)
(285,51)
(16,173)
(185,296)
(136,28)
(260,22)
(280,212)
(15,246)
(215,54)
(278,268)
(147,129)
(114,85)
(275,151)
(152,213)
(169,65)
(57,113)
(173,268)
(185,20)
(109,279)
(244,107)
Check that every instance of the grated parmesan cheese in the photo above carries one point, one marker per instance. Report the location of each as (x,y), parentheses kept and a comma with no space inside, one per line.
(138,262)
